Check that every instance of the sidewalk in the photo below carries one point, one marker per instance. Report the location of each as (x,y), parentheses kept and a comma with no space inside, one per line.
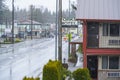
(72,67)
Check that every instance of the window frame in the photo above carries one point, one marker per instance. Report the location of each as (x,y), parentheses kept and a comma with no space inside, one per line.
(107,31)
(108,63)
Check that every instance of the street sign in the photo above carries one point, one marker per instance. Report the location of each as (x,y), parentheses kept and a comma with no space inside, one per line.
(69,23)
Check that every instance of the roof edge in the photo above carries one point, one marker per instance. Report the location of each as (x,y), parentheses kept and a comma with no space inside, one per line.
(99,20)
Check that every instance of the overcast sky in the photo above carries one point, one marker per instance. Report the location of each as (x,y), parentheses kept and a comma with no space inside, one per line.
(50,4)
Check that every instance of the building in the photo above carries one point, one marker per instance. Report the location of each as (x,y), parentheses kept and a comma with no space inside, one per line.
(101,37)
(2,30)
(25,28)
(6,30)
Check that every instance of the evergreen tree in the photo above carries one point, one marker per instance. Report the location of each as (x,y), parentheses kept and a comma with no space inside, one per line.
(2,8)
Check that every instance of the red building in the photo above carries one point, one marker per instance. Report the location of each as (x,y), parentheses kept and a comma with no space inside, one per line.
(101,37)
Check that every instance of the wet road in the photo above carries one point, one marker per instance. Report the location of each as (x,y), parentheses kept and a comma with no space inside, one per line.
(27,58)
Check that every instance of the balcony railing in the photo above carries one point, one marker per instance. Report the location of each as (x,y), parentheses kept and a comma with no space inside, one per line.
(109,42)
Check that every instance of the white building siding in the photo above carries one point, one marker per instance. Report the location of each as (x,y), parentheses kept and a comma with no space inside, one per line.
(98,9)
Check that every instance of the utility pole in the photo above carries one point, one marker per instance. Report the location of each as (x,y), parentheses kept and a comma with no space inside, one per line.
(13,21)
(69,9)
(60,31)
(31,8)
(69,33)
(6,24)
(56,31)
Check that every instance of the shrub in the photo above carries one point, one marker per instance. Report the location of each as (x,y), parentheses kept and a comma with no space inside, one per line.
(7,41)
(53,70)
(81,74)
(27,78)
(80,48)
(17,40)
(66,73)
(72,59)
(65,65)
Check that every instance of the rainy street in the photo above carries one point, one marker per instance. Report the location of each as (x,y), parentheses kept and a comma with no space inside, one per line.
(27,58)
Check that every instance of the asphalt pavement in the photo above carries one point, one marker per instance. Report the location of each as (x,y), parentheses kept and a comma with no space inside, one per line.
(29,53)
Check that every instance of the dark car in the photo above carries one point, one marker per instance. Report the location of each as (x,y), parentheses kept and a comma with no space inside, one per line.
(3,36)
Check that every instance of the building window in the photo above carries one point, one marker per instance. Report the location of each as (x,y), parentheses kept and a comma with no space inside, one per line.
(104,62)
(111,29)
(73,28)
(114,42)
(110,62)
(113,62)
(114,30)
(105,29)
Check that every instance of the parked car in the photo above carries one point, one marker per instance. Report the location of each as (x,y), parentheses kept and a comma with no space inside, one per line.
(3,36)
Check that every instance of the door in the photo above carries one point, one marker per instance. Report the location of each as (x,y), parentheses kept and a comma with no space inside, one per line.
(92,34)
(92,65)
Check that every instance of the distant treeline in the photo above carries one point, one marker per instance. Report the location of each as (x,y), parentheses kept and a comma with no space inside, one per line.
(42,15)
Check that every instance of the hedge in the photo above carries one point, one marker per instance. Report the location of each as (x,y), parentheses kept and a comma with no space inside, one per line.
(81,74)
(53,70)
(28,78)
(17,40)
